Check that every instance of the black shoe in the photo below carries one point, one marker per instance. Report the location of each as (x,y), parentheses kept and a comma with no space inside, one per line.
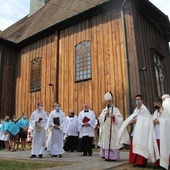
(60,156)
(40,156)
(84,154)
(90,154)
(33,156)
(53,155)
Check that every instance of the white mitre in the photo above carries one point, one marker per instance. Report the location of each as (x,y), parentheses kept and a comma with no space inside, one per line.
(108,96)
(165,96)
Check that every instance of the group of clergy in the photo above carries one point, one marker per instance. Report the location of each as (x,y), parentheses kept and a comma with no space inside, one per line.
(56,127)
(148,140)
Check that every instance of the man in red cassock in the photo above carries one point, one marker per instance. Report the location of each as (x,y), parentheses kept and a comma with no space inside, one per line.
(141,119)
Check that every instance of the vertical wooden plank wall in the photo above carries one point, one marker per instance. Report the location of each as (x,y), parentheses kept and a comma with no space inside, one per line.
(107,58)
(9,62)
(25,100)
(146,37)
(132,61)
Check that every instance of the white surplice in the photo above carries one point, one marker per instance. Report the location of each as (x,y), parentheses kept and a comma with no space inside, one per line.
(140,131)
(48,134)
(38,142)
(105,125)
(87,130)
(161,131)
(166,104)
(71,126)
(57,134)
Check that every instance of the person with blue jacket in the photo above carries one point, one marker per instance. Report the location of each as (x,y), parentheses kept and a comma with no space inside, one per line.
(5,132)
(24,125)
(14,129)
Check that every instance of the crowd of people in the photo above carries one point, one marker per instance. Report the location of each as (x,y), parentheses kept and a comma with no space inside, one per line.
(14,132)
(57,133)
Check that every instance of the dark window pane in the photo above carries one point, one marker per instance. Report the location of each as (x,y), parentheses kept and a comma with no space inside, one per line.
(35,74)
(81,68)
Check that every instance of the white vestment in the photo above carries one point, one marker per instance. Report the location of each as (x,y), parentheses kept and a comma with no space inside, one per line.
(38,142)
(57,134)
(141,130)
(163,133)
(166,104)
(106,127)
(71,126)
(48,134)
(87,130)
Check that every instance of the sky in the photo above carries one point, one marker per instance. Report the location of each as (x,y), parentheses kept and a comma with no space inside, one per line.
(12,11)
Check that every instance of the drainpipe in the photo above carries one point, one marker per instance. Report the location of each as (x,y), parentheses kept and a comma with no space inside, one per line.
(56,92)
(1,78)
(126,58)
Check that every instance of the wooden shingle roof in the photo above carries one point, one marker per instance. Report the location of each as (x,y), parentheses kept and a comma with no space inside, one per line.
(55,11)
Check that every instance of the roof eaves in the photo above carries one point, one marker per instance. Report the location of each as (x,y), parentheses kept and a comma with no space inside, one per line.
(64,23)
(155,16)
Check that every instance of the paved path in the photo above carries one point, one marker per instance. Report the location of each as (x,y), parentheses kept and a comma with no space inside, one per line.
(77,161)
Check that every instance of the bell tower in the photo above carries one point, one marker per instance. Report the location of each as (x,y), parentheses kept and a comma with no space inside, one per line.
(35,5)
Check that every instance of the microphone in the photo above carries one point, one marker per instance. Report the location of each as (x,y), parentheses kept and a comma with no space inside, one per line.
(108,109)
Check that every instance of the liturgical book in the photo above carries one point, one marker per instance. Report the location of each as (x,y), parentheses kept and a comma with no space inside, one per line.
(85,119)
(56,121)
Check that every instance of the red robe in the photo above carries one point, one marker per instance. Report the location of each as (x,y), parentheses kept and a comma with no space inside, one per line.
(157,163)
(136,159)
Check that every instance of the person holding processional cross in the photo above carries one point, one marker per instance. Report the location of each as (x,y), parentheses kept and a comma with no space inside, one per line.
(110,121)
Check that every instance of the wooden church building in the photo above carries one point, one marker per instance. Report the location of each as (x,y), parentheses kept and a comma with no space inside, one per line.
(74,51)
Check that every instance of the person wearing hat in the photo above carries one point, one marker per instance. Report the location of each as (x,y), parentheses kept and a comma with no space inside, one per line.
(166,102)
(110,121)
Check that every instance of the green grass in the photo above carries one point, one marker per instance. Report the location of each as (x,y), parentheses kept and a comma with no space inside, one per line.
(10,164)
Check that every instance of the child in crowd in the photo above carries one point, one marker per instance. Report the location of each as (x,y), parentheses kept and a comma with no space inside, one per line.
(29,138)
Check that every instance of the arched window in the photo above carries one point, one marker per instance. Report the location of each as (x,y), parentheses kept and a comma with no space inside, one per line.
(35,75)
(83,61)
(159,73)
